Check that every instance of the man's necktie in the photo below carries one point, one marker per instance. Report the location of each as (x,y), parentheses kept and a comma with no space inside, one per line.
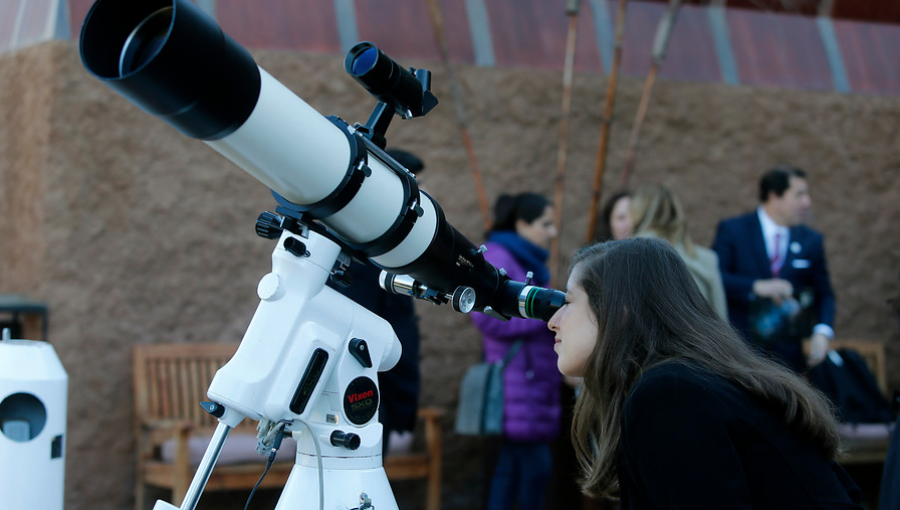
(775,260)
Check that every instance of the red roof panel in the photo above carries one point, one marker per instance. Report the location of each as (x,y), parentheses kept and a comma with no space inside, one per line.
(402,31)
(7,22)
(279,24)
(692,53)
(778,50)
(528,33)
(770,49)
(870,55)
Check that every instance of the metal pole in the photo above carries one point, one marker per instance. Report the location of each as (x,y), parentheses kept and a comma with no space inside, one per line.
(607,122)
(663,34)
(204,470)
(437,22)
(572,13)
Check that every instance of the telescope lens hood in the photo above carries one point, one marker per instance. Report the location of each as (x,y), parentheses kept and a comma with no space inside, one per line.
(173,61)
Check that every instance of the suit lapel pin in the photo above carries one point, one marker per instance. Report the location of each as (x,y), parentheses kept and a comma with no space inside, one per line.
(795,247)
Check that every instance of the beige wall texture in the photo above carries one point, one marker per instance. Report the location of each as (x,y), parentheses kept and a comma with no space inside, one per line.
(133,233)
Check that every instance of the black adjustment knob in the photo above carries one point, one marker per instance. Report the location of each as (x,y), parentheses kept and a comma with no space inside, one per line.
(295,247)
(347,440)
(215,409)
(268,225)
(359,349)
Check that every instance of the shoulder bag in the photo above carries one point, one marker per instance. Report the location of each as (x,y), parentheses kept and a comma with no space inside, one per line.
(480,409)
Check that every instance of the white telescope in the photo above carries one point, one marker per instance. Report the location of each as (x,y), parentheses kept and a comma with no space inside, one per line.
(309,359)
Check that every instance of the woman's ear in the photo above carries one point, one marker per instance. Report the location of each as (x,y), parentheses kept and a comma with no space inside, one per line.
(521,224)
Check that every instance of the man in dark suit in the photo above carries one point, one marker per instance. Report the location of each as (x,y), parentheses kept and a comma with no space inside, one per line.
(769,258)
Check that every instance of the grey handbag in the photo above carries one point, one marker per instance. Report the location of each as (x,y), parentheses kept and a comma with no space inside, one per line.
(480,409)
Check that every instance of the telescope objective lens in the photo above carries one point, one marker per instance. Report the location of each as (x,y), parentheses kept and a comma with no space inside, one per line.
(145,41)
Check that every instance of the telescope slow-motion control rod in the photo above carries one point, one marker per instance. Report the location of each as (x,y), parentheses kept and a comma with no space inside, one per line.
(310,356)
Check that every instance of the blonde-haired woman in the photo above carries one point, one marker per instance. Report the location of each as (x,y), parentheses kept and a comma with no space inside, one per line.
(657,213)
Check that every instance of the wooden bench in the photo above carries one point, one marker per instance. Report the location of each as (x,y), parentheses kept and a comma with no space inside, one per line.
(170,381)
(869,450)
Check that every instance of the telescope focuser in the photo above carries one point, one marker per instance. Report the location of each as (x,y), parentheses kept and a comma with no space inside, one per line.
(462,299)
(509,299)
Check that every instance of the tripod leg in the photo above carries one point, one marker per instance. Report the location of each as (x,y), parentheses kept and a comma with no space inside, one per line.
(201,476)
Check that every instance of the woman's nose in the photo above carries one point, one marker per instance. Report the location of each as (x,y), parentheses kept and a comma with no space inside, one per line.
(553,324)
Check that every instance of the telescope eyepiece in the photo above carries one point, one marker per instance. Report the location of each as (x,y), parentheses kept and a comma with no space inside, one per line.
(540,303)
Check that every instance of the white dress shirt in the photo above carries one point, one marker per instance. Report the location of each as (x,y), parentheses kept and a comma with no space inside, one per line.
(769,230)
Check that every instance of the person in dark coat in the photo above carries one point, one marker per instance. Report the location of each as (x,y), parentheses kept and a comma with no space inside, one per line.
(890,476)
(676,410)
(400,385)
(770,256)
(519,243)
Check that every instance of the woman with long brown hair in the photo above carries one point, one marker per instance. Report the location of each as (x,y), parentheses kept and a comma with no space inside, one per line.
(675,410)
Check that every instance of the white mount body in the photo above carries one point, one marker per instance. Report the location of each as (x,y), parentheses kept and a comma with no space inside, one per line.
(300,318)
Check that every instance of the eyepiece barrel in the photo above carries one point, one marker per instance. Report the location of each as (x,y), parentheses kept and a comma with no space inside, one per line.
(540,303)
(519,299)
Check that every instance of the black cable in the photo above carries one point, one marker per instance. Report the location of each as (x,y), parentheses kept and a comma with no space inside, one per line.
(269,461)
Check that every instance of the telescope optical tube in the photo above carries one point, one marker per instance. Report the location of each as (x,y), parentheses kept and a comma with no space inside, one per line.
(173,61)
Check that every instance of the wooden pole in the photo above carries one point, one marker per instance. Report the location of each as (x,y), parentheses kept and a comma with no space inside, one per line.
(437,23)
(568,71)
(663,34)
(607,122)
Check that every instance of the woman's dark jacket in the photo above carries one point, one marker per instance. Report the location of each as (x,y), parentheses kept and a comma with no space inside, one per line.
(692,440)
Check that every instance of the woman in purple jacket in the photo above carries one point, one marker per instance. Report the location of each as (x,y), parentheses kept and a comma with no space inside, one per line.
(518,242)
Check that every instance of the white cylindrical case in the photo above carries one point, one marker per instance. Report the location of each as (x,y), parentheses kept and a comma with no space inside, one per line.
(33,399)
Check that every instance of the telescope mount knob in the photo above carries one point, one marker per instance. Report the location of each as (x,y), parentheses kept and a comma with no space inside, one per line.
(347,440)
(463,299)
(269,225)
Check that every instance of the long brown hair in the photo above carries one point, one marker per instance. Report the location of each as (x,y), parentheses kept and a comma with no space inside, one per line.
(655,208)
(650,312)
